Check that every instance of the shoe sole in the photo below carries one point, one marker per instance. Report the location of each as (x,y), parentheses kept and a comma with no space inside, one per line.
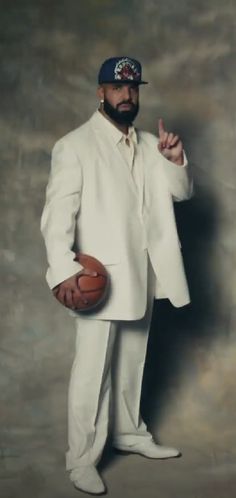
(124,452)
(90,492)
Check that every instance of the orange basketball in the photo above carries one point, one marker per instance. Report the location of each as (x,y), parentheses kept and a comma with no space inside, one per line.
(94,289)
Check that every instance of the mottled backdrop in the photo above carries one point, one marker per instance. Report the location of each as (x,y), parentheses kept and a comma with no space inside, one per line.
(50,54)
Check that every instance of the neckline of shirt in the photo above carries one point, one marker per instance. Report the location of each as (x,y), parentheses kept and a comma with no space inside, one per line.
(116,134)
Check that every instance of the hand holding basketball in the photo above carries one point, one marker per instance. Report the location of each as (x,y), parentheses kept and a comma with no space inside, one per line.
(87,288)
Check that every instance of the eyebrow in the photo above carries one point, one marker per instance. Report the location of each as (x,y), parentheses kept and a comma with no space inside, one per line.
(119,85)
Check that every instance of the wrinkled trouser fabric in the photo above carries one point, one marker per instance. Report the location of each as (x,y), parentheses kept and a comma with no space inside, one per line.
(106,380)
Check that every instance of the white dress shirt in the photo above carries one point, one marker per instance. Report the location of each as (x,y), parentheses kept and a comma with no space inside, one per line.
(127,145)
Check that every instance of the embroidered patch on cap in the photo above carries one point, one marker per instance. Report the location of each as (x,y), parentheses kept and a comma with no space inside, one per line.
(126,69)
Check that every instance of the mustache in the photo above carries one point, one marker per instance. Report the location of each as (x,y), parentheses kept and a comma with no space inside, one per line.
(126,102)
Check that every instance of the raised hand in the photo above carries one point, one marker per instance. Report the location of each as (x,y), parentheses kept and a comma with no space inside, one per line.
(170,145)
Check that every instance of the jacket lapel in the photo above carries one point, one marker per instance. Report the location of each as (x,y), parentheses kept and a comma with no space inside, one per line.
(112,157)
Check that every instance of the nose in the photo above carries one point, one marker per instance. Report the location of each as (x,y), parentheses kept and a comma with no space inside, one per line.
(126,94)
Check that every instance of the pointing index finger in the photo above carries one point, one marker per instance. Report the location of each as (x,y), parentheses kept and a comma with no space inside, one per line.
(161,128)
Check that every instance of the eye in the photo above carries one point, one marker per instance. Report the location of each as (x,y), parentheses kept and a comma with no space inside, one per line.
(117,87)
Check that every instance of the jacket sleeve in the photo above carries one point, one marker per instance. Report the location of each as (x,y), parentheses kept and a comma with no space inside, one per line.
(179,179)
(58,220)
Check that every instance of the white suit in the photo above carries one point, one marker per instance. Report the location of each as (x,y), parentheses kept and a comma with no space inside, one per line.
(92,206)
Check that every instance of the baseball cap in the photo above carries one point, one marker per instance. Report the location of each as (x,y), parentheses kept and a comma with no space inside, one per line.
(121,70)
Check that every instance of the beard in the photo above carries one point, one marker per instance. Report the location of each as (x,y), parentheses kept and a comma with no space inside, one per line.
(121,117)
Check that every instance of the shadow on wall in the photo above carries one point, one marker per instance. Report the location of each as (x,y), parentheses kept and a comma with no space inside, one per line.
(176,332)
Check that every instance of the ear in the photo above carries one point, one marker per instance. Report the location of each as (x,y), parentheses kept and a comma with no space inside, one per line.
(100,93)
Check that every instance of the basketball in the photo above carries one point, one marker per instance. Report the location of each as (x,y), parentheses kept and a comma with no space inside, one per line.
(94,289)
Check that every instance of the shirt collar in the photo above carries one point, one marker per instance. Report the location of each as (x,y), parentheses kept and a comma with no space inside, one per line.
(114,133)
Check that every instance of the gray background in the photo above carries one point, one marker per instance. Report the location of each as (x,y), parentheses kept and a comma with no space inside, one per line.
(50,54)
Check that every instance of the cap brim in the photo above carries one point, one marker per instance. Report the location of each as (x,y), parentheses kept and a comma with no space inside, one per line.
(124,81)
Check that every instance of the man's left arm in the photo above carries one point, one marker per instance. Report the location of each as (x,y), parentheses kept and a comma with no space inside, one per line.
(175,164)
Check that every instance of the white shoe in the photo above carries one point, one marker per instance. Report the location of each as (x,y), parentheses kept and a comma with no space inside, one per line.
(149,449)
(86,478)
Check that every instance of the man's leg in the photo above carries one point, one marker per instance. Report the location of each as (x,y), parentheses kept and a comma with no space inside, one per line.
(127,374)
(88,400)
(130,431)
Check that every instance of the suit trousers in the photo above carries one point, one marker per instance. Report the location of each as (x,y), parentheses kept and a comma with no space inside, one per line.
(105,384)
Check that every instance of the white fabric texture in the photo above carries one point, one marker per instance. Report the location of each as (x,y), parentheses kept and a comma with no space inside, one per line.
(114,201)
(92,206)
(127,146)
(107,371)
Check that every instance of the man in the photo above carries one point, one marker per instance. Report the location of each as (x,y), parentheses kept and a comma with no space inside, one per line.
(110,194)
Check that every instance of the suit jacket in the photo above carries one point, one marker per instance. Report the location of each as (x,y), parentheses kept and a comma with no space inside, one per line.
(92,206)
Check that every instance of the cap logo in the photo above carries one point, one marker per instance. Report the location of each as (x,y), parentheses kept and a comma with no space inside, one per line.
(126,69)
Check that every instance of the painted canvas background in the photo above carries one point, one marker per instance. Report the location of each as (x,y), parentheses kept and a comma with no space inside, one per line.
(49,55)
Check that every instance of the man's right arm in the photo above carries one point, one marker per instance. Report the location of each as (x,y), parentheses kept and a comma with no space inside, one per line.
(63,197)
